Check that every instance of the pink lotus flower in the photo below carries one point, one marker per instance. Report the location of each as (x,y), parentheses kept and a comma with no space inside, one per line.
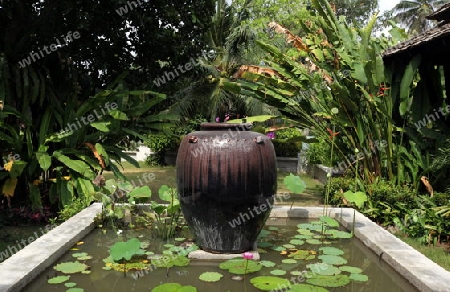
(247,255)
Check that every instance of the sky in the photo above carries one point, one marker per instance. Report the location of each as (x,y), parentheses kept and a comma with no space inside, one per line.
(387,4)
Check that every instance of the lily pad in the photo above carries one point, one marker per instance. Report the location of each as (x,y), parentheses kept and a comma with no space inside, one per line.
(267,283)
(265,244)
(314,241)
(267,264)
(174,287)
(331,250)
(278,272)
(58,279)
(263,233)
(303,255)
(289,261)
(240,266)
(71,267)
(351,270)
(339,234)
(324,269)
(306,288)
(329,221)
(359,277)
(75,290)
(332,259)
(289,246)
(70,284)
(296,242)
(273,228)
(295,273)
(278,248)
(305,232)
(210,276)
(300,236)
(329,281)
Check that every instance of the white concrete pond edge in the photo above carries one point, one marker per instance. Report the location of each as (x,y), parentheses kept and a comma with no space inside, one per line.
(21,268)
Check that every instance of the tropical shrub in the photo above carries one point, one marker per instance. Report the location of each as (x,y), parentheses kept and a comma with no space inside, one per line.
(160,144)
(63,141)
(287,142)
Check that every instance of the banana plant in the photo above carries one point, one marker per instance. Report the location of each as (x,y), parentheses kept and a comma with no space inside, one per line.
(63,140)
(333,65)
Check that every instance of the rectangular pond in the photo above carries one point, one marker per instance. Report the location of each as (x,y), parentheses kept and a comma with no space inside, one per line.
(286,247)
(378,257)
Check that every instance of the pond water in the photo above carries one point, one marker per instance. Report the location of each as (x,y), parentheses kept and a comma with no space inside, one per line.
(276,233)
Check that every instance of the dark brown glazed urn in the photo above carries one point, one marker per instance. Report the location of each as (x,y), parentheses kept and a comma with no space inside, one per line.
(226,178)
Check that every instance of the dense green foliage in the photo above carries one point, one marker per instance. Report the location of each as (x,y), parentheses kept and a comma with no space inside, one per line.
(413,14)
(46,88)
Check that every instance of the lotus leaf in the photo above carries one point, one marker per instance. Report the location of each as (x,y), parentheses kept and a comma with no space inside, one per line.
(70,284)
(210,276)
(351,270)
(329,281)
(332,259)
(263,233)
(331,250)
(296,242)
(358,198)
(138,266)
(75,290)
(58,279)
(289,246)
(289,261)
(300,236)
(71,267)
(265,244)
(278,272)
(82,256)
(359,277)
(306,288)
(324,269)
(278,248)
(174,287)
(170,261)
(314,241)
(329,221)
(317,222)
(305,232)
(303,255)
(240,266)
(294,183)
(267,264)
(126,250)
(339,234)
(267,283)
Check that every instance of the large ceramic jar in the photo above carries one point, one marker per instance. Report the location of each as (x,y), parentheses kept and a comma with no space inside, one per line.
(226,178)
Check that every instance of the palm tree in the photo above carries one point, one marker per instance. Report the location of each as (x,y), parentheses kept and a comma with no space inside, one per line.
(412,13)
(206,93)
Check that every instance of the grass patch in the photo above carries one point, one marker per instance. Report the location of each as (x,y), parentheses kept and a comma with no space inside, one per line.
(438,254)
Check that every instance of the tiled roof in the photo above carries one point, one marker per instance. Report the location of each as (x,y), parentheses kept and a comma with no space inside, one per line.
(429,35)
